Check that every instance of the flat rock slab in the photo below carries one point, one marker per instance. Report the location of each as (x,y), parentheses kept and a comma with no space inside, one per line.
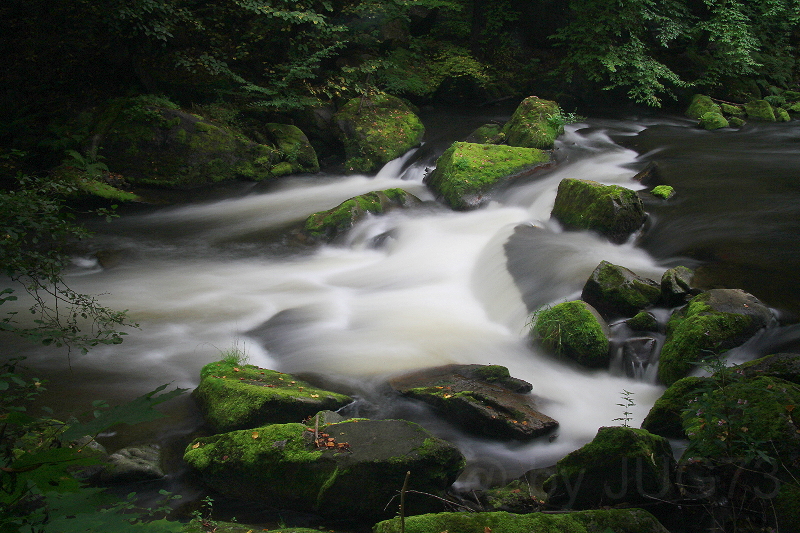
(481,399)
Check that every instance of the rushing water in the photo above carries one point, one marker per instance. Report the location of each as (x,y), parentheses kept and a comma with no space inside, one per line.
(428,286)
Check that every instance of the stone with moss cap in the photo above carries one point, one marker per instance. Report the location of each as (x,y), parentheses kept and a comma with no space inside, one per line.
(617,291)
(376,129)
(665,417)
(482,399)
(759,110)
(295,149)
(620,464)
(700,105)
(713,121)
(665,192)
(487,134)
(611,210)
(676,286)
(574,330)
(594,521)
(327,225)
(280,465)
(535,124)
(779,365)
(711,323)
(466,172)
(233,396)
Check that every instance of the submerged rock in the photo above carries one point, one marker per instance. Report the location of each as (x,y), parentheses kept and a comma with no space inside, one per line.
(616,291)
(620,465)
(357,477)
(595,521)
(574,330)
(465,172)
(327,225)
(376,129)
(482,399)
(611,210)
(711,323)
(233,396)
(534,124)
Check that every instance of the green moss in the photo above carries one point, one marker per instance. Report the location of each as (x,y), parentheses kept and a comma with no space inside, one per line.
(181,136)
(103,190)
(734,110)
(235,396)
(466,171)
(573,330)
(663,191)
(713,120)
(782,115)
(701,105)
(643,321)
(487,134)
(665,417)
(759,110)
(294,149)
(534,124)
(616,291)
(736,122)
(492,373)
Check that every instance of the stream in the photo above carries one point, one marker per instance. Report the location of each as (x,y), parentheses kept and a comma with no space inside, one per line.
(429,286)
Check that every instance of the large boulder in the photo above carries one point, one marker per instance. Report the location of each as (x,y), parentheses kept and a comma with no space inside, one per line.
(759,110)
(611,210)
(711,323)
(465,172)
(483,399)
(376,129)
(594,521)
(235,396)
(780,365)
(574,330)
(616,291)
(327,225)
(534,124)
(620,465)
(354,469)
(151,142)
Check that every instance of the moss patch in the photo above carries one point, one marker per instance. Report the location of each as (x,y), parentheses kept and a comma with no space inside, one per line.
(664,192)
(700,105)
(466,171)
(534,124)
(665,417)
(574,330)
(713,121)
(759,110)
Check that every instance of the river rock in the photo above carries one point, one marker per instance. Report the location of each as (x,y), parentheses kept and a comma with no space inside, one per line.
(710,324)
(600,521)
(487,134)
(700,105)
(780,365)
(483,399)
(676,286)
(328,225)
(665,192)
(611,210)
(534,124)
(153,143)
(297,153)
(134,463)
(574,330)
(665,418)
(643,321)
(620,465)
(616,291)
(357,476)
(713,121)
(759,110)
(466,172)
(235,396)
(376,129)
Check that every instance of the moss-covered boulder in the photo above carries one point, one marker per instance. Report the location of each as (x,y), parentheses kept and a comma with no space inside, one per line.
(759,110)
(735,122)
(710,324)
(487,134)
(574,330)
(620,465)
(515,497)
(611,210)
(534,124)
(713,121)
(352,470)
(465,172)
(297,154)
(328,225)
(595,521)
(666,416)
(700,105)
(781,115)
(665,192)
(643,321)
(732,110)
(780,365)
(233,396)
(153,143)
(676,286)
(376,129)
(482,399)
(616,291)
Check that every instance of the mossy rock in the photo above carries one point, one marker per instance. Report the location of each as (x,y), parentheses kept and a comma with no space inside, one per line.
(711,323)
(713,121)
(574,330)
(780,365)
(736,122)
(482,399)
(620,465)
(616,291)
(534,124)
(465,172)
(295,149)
(759,110)
(700,105)
(793,107)
(327,225)
(105,187)
(611,210)
(643,321)
(666,416)
(732,110)
(487,134)
(676,286)
(515,497)
(375,130)
(233,396)
(595,521)
(665,192)
(787,507)
(280,465)
(782,115)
